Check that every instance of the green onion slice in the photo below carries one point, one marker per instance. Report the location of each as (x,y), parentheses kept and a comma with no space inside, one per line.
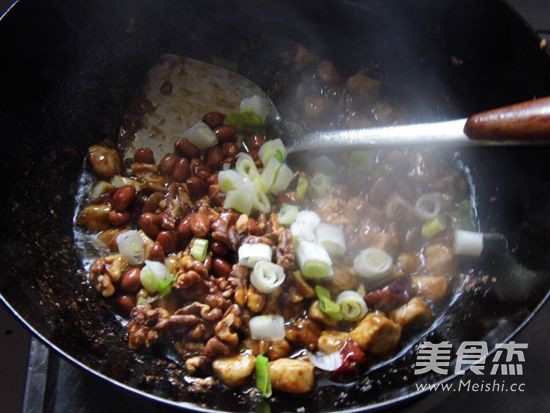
(199,249)
(321,183)
(263,381)
(434,226)
(287,214)
(372,264)
(352,305)
(326,305)
(256,105)
(241,120)
(282,180)
(301,188)
(313,260)
(272,149)
(241,200)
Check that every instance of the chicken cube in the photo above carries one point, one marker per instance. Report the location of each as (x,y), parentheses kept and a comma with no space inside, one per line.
(430,286)
(415,312)
(377,334)
(315,314)
(332,340)
(291,376)
(440,259)
(398,209)
(234,370)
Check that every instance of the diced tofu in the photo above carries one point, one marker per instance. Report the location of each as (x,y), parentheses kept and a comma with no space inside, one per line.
(415,312)
(234,370)
(440,259)
(377,334)
(291,376)
(430,286)
(331,341)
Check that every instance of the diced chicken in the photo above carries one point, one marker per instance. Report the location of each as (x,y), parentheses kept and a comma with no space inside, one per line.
(303,332)
(234,370)
(398,208)
(302,286)
(386,242)
(415,312)
(440,259)
(332,340)
(364,86)
(95,217)
(278,349)
(302,58)
(344,278)
(429,286)
(377,334)
(408,262)
(291,376)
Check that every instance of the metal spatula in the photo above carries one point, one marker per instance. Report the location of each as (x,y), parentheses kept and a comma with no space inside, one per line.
(181,90)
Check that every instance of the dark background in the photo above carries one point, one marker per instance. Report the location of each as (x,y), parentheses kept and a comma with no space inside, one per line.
(14,340)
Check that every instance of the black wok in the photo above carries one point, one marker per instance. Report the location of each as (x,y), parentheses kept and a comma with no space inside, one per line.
(69,68)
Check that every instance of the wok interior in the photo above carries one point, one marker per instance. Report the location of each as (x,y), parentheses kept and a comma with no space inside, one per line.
(68,78)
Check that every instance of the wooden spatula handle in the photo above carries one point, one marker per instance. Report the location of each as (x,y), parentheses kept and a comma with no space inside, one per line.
(526,121)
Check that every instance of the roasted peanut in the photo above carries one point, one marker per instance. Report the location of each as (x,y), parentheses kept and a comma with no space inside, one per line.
(199,224)
(157,253)
(218,249)
(182,170)
(130,280)
(123,197)
(152,202)
(256,141)
(168,240)
(213,119)
(126,303)
(221,267)
(185,148)
(229,149)
(225,133)
(150,224)
(118,219)
(328,73)
(144,155)
(196,186)
(184,227)
(200,170)
(168,163)
(214,157)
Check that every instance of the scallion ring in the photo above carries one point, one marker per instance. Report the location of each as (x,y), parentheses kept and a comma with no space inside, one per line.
(266,277)
(352,305)
(428,206)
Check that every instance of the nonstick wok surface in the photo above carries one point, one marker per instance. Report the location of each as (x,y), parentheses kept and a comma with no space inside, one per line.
(69,69)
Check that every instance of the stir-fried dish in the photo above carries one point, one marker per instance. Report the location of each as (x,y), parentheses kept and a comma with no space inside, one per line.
(261,273)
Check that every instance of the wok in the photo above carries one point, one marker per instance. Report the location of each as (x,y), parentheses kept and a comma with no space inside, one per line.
(70,67)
